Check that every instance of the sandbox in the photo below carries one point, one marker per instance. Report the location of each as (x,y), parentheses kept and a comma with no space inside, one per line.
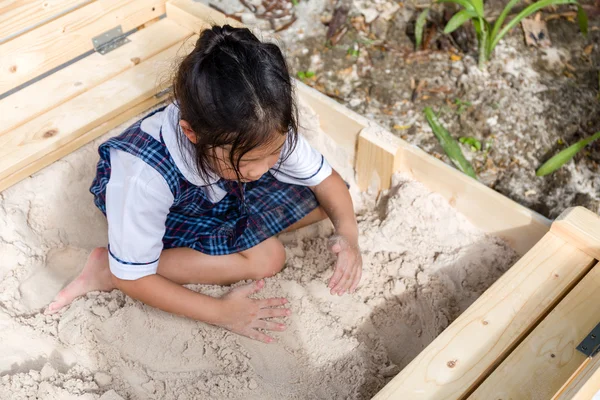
(433,241)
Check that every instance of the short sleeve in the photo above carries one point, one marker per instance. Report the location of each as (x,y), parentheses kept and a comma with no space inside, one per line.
(304,166)
(138,200)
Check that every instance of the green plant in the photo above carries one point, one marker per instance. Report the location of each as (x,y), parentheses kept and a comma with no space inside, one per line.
(419,27)
(472,142)
(294,2)
(565,155)
(449,144)
(462,105)
(489,35)
(354,52)
(305,74)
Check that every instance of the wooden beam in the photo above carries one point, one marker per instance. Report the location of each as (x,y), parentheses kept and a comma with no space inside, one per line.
(547,357)
(69,36)
(77,78)
(377,158)
(79,141)
(580,227)
(459,359)
(17,17)
(196,16)
(65,123)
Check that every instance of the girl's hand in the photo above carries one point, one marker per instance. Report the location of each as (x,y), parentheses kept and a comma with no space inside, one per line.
(244,316)
(348,268)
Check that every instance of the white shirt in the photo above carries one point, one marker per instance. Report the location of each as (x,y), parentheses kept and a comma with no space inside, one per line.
(138,198)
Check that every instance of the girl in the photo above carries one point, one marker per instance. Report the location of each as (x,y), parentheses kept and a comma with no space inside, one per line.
(195,192)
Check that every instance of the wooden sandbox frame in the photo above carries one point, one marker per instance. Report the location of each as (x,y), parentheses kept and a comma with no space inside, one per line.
(71,70)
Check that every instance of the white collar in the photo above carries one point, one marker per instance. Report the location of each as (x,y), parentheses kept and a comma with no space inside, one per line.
(170,129)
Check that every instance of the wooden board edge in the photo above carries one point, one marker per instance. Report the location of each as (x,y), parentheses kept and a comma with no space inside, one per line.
(196,16)
(580,227)
(78,142)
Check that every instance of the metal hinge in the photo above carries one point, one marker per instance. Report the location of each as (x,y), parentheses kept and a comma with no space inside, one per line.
(109,40)
(590,346)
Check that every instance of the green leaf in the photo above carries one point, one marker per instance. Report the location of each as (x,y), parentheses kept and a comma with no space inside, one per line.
(420,26)
(449,144)
(465,3)
(564,156)
(294,2)
(478,5)
(531,9)
(301,75)
(502,17)
(310,74)
(471,141)
(582,20)
(458,19)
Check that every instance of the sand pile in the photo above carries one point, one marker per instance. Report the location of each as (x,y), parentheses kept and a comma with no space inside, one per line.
(423,265)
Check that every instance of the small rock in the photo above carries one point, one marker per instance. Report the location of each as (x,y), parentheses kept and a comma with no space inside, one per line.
(252,385)
(47,372)
(102,378)
(101,311)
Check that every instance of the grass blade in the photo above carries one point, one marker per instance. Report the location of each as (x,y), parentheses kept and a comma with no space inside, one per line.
(502,17)
(565,156)
(465,3)
(420,26)
(458,19)
(449,144)
(582,20)
(533,8)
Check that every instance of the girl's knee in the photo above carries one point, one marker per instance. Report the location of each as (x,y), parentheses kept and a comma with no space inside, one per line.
(268,260)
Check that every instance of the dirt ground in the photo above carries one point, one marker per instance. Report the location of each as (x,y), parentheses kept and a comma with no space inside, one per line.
(528,104)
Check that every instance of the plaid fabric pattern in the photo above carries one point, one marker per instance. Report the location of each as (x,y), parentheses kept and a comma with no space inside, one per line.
(247,215)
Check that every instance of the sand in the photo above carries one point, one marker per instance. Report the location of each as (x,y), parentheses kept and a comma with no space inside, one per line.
(423,265)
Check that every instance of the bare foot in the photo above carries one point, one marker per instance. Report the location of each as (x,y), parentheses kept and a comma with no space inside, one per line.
(94,276)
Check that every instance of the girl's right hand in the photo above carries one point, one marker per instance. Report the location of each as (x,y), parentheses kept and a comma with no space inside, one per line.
(245,316)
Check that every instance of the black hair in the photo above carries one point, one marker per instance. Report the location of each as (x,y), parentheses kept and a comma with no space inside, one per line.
(234,90)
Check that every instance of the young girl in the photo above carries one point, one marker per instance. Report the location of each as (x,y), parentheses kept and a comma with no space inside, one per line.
(195,192)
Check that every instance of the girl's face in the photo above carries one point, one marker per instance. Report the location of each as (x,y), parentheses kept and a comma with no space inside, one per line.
(253,164)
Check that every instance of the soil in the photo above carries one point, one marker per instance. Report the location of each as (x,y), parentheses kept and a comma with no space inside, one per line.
(526,105)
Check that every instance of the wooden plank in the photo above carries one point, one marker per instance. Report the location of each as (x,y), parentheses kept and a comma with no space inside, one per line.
(580,227)
(69,36)
(19,16)
(583,384)
(547,358)
(490,211)
(78,142)
(377,158)
(459,359)
(196,16)
(87,73)
(61,125)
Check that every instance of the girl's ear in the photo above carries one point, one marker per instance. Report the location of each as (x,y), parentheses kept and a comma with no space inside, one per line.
(187,130)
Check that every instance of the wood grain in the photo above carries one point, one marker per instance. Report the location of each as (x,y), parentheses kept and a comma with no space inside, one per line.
(547,358)
(77,78)
(69,36)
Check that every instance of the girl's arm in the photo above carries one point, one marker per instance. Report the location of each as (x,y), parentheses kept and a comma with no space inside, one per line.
(235,311)
(334,198)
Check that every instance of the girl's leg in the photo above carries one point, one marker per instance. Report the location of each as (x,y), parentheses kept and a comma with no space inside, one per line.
(184,265)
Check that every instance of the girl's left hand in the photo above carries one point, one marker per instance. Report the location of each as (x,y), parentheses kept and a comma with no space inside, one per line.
(348,268)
